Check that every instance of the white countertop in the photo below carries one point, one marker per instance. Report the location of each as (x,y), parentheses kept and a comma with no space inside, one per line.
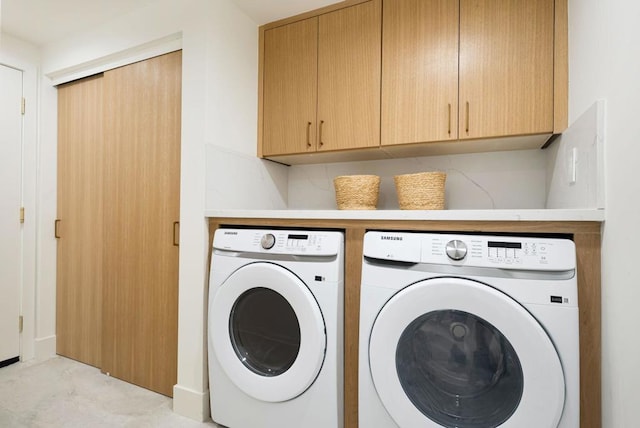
(449,215)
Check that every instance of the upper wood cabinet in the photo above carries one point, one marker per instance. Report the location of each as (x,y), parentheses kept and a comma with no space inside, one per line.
(419,71)
(493,57)
(321,82)
(506,67)
(349,77)
(290,87)
(409,77)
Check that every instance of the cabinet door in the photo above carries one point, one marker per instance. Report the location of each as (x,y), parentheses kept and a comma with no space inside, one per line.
(419,71)
(290,88)
(142,107)
(80,212)
(506,67)
(349,77)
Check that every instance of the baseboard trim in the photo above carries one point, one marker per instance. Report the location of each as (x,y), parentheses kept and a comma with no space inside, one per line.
(192,404)
(45,347)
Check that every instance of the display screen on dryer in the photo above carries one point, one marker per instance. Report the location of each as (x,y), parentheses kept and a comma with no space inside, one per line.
(494,244)
(303,237)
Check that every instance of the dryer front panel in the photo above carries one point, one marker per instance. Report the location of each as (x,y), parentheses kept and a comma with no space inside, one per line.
(268,332)
(453,352)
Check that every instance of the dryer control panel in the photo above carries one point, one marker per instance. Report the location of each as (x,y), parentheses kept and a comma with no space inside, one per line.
(273,241)
(503,252)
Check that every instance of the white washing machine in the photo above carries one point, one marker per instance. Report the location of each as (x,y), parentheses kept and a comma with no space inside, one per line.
(468,331)
(275,328)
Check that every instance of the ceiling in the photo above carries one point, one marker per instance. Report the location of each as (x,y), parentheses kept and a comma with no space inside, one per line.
(43,21)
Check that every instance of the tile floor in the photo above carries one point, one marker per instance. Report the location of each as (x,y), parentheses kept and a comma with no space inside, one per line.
(59,392)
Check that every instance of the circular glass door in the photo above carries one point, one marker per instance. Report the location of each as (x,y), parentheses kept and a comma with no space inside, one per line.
(464,355)
(257,321)
(459,370)
(264,331)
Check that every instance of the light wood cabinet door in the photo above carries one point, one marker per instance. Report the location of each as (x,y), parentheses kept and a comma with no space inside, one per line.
(506,67)
(349,77)
(290,88)
(419,71)
(79,227)
(142,117)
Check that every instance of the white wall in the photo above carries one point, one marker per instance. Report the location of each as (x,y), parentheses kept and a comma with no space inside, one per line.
(603,63)
(219,114)
(496,180)
(575,163)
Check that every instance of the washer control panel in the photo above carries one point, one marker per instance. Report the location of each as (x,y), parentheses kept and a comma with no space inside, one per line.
(292,242)
(527,253)
(503,252)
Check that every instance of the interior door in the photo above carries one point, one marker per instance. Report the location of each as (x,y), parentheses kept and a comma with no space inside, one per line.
(465,354)
(142,116)
(79,228)
(10,201)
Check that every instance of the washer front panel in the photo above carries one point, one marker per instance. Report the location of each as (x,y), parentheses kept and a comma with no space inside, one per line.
(268,384)
(493,315)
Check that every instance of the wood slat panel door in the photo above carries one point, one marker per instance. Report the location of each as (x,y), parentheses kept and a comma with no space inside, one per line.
(80,214)
(419,71)
(142,177)
(506,67)
(349,62)
(290,88)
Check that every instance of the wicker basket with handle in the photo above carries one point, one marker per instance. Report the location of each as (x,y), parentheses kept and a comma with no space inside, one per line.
(357,192)
(421,191)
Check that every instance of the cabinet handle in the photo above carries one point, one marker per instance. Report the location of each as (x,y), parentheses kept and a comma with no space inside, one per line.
(55,228)
(320,133)
(176,242)
(466,122)
(449,121)
(308,134)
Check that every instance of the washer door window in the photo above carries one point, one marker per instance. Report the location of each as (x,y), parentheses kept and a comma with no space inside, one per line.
(264,331)
(465,355)
(268,332)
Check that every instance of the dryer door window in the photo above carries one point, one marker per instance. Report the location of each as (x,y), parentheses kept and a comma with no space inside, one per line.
(453,352)
(459,370)
(265,332)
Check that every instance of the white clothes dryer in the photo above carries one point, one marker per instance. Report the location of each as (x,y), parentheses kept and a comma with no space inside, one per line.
(468,331)
(275,328)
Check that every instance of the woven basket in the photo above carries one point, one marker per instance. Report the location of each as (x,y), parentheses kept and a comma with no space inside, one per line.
(357,192)
(421,191)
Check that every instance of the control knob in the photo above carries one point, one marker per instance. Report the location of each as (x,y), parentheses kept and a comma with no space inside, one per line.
(268,241)
(456,249)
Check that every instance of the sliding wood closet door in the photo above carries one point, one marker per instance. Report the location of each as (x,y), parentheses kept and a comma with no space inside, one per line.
(79,228)
(142,177)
